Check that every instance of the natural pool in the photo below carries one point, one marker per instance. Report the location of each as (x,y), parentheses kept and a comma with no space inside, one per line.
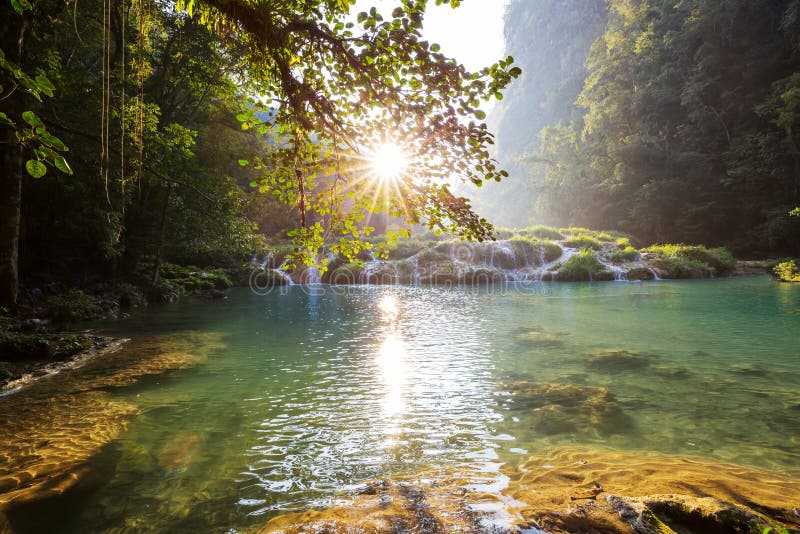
(262,404)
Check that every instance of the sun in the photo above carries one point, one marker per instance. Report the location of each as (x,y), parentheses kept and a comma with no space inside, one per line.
(388,161)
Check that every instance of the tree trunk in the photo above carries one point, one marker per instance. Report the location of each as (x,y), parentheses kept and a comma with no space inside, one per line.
(161,234)
(10,197)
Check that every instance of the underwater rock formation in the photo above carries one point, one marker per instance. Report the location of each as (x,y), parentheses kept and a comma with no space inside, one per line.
(611,361)
(650,493)
(568,408)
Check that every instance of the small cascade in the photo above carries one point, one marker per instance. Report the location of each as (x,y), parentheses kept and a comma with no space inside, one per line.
(543,269)
(370,267)
(620,274)
(312,276)
(267,259)
(415,276)
(639,262)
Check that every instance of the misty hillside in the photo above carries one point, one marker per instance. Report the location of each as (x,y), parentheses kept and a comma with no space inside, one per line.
(675,122)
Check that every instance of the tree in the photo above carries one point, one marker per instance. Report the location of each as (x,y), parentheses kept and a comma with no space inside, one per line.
(335,88)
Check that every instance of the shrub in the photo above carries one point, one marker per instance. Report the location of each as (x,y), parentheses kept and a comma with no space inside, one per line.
(623,242)
(627,254)
(582,240)
(6,372)
(75,305)
(787,271)
(582,266)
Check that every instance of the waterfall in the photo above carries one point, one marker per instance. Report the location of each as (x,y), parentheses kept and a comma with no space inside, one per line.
(639,262)
(267,259)
(620,274)
(312,276)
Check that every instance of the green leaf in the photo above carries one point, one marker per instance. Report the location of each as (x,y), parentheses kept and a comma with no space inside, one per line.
(5,120)
(480,114)
(53,141)
(45,85)
(31,118)
(20,6)
(62,165)
(243,163)
(35,168)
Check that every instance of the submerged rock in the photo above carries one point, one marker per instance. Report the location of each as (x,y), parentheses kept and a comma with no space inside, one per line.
(617,360)
(649,493)
(567,408)
(425,506)
(536,335)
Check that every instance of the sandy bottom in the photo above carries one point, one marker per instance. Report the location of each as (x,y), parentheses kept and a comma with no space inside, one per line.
(51,428)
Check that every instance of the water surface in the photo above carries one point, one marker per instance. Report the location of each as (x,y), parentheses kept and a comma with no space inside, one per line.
(306,393)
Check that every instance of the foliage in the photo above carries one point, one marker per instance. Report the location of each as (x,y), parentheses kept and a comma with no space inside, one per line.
(74,305)
(191,279)
(583,266)
(787,271)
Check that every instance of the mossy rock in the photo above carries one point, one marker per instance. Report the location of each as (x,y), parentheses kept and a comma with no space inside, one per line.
(640,273)
(346,274)
(583,267)
(483,276)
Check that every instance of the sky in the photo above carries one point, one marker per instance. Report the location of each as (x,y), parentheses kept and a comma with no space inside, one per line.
(471,33)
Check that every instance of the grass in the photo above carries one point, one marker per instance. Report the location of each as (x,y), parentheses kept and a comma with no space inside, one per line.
(583,240)
(544,232)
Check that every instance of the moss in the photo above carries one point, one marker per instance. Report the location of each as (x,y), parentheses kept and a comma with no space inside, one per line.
(346,274)
(582,266)
(582,240)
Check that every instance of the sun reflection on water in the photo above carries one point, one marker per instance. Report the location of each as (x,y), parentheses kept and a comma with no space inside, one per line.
(393,368)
